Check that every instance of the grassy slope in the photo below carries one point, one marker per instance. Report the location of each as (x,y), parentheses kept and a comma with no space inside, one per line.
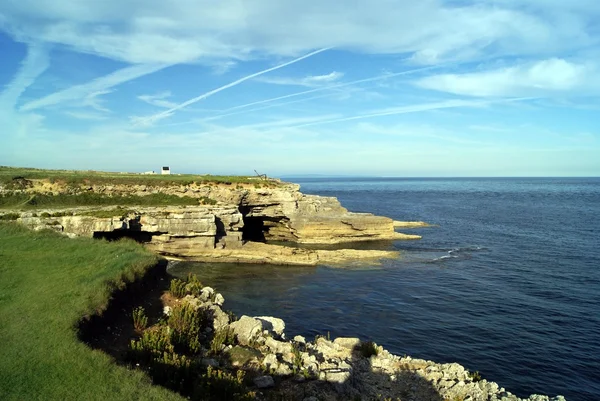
(112,178)
(47,283)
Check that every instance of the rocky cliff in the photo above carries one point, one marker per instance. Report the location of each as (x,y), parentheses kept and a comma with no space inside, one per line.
(230,228)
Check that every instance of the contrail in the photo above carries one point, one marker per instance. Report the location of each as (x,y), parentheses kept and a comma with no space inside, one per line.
(415,109)
(376,78)
(170,111)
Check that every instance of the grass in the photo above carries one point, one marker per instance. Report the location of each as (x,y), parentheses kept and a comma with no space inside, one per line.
(39,201)
(76,177)
(47,283)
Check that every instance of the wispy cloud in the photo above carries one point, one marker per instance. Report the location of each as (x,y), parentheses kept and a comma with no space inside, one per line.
(336,86)
(94,88)
(432,31)
(414,109)
(34,64)
(310,81)
(551,76)
(83,115)
(159,100)
(167,113)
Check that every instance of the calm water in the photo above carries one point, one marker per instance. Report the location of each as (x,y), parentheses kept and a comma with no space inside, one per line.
(507,284)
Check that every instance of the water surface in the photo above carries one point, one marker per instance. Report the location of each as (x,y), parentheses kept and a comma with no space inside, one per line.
(508,283)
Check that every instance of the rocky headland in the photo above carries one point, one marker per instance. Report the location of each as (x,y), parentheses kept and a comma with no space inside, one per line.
(229,223)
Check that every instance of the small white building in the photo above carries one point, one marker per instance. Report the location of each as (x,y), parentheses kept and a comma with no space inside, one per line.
(165,170)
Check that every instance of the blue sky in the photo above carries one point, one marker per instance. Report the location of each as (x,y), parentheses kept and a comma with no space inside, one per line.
(378,87)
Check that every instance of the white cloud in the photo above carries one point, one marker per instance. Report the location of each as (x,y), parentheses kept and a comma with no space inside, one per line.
(541,78)
(155,31)
(82,115)
(159,100)
(90,90)
(414,108)
(34,64)
(311,81)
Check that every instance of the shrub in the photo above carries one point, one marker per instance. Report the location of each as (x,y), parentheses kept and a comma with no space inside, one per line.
(194,285)
(368,349)
(475,376)
(177,288)
(9,216)
(140,320)
(224,336)
(218,385)
(185,323)
(153,343)
(297,359)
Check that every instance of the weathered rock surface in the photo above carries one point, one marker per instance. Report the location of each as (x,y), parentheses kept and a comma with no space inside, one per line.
(345,368)
(221,232)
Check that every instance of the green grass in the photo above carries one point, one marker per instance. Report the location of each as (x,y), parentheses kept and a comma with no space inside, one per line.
(47,283)
(39,201)
(76,177)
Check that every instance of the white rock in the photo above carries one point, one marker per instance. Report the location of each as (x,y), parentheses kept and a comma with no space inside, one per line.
(167,311)
(272,324)
(246,329)
(300,339)
(219,299)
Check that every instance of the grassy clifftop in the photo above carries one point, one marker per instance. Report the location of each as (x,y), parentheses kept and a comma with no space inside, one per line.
(89,177)
(47,283)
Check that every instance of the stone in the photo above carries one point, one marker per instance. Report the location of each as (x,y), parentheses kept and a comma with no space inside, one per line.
(220,318)
(270,361)
(210,362)
(274,325)
(347,342)
(264,381)
(278,347)
(335,375)
(300,339)
(167,311)
(206,293)
(219,299)
(283,369)
(246,329)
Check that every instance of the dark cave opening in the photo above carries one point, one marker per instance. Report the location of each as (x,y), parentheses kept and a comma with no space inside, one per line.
(138,236)
(254,229)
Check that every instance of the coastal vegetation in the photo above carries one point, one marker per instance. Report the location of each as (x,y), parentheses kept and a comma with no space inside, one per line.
(11,178)
(48,282)
(26,201)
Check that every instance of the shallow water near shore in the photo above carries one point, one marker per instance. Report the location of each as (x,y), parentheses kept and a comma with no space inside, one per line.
(508,283)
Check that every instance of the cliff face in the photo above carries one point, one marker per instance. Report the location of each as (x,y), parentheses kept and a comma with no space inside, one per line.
(240,214)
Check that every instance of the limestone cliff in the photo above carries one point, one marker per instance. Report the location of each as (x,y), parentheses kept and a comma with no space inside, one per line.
(240,215)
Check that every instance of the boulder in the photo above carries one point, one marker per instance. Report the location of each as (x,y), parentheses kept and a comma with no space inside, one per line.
(219,299)
(264,382)
(273,325)
(246,329)
(347,342)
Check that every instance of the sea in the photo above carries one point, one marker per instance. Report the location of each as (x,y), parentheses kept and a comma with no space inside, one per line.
(506,281)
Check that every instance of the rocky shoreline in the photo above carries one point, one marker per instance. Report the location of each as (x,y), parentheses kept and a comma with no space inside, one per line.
(327,369)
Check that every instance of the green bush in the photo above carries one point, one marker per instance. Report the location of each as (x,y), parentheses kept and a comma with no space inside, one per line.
(177,288)
(194,285)
(217,385)
(185,323)
(9,216)
(224,336)
(140,320)
(368,349)
(475,376)
(297,359)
